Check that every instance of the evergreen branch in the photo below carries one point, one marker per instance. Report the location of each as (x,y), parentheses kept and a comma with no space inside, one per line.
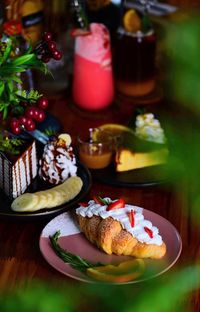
(10,145)
(74,261)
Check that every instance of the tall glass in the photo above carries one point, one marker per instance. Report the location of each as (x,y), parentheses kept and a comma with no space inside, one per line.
(134,62)
(93,86)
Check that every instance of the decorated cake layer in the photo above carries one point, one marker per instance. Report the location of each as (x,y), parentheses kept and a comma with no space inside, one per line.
(18,171)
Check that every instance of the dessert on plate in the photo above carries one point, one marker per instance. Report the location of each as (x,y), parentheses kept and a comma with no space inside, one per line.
(144,145)
(147,147)
(18,167)
(57,167)
(58,161)
(120,228)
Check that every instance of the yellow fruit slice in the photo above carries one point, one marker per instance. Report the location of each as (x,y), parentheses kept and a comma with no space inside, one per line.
(25,202)
(109,132)
(132,22)
(124,272)
(55,196)
(66,138)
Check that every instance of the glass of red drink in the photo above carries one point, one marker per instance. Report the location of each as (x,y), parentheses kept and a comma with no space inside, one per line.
(93,86)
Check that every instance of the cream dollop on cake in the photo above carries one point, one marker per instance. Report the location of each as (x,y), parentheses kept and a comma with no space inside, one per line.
(58,161)
(148,128)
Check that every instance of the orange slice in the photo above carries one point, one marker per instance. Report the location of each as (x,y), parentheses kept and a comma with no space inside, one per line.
(110,131)
(124,272)
(132,22)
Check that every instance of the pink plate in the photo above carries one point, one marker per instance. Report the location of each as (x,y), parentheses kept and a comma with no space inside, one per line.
(74,241)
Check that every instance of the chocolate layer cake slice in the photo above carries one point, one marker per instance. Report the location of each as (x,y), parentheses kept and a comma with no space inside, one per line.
(18,171)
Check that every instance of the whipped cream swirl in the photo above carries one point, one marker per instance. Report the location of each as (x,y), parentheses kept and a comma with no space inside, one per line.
(122,215)
(58,162)
(149,128)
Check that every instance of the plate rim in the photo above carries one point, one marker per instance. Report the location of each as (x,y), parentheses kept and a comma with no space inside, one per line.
(88,280)
(116,183)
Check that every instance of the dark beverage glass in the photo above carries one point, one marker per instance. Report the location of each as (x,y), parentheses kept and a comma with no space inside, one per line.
(134,62)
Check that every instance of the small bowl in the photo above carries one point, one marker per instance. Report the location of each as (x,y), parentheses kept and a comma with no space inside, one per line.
(94,154)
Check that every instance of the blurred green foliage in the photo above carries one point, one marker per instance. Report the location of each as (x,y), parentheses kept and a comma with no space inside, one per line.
(182,92)
(164,294)
(183,48)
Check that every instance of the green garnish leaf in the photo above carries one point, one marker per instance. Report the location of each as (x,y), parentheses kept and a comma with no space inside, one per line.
(10,145)
(74,261)
(104,201)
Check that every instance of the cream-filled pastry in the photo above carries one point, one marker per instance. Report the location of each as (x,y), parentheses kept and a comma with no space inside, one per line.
(119,228)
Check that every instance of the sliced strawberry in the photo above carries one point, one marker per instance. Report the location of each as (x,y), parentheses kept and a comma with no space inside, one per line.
(98,200)
(120,203)
(83,204)
(132,218)
(149,231)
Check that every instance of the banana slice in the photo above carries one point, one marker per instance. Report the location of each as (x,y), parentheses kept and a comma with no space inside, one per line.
(66,138)
(43,198)
(25,202)
(50,198)
(57,199)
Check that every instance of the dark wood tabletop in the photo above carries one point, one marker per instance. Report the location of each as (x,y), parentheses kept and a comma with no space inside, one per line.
(20,259)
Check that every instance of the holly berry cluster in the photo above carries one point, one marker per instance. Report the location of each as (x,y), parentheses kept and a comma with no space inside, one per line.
(31,115)
(47,49)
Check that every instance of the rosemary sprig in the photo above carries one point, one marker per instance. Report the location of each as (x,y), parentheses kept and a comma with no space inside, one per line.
(10,145)
(74,261)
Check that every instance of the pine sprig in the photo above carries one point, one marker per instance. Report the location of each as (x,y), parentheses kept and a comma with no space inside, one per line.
(10,145)
(50,132)
(29,96)
(76,262)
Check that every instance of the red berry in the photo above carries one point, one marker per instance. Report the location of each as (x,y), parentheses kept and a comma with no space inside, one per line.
(30,125)
(57,55)
(47,36)
(45,58)
(52,46)
(30,112)
(24,104)
(14,123)
(22,120)
(41,115)
(29,121)
(43,102)
(16,130)
(36,113)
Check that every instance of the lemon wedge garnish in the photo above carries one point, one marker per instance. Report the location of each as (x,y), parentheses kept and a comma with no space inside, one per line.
(131,20)
(109,131)
(121,273)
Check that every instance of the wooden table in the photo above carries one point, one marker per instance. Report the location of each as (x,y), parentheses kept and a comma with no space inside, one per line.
(20,259)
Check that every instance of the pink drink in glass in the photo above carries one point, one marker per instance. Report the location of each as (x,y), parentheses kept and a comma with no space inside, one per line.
(93,87)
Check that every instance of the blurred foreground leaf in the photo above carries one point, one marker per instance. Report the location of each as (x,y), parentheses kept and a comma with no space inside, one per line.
(183,46)
(166,294)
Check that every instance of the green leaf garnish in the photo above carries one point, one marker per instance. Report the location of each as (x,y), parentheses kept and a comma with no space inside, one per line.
(11,65)
(104,201)
(74,261)
(10,145)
